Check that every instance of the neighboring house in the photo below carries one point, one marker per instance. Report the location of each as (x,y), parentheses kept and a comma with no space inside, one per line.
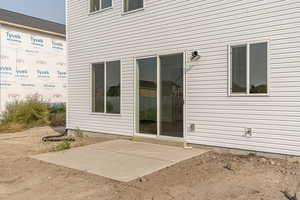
(33,59)
(217,73)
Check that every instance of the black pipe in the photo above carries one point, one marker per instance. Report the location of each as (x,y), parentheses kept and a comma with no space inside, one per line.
(58,138)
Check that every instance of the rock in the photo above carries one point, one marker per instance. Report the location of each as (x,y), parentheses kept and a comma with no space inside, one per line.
(296,162)
(272,162)
(293,173)
(263,160)
(142,179)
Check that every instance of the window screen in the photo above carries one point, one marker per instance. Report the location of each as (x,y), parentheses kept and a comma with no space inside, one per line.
(94,5)
(106,94)
(249,76)
(98,87)
(258,68)
(113,87)
(106,4)
(239,69)
(130,5)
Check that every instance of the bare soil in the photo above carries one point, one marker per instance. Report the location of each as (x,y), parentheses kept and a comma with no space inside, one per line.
(210,176)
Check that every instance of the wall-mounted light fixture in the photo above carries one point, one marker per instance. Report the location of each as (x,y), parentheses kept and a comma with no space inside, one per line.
(195,56)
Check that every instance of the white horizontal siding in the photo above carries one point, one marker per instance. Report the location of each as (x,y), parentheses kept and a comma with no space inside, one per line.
(208,26)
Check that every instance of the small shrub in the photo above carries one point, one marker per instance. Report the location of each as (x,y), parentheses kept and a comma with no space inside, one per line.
(29,113)
(63,145)
(57,115)
(58,119)
(57,108)
(78,133)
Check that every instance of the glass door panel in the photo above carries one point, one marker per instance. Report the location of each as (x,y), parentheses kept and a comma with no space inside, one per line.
(171,95)
(146,106)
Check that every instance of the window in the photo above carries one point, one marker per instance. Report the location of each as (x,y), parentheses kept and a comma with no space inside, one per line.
(249,69)
(130,5)
(98,87)
(96,5)
(106,86)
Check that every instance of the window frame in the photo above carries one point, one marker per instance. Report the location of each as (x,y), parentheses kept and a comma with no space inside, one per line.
(100,9)
(247,94)
(132,11)
(105,89)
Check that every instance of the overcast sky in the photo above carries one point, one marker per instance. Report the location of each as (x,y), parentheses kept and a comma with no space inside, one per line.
(53,10)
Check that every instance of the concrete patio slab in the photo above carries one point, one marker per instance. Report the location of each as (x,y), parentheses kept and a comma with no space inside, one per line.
(121,160)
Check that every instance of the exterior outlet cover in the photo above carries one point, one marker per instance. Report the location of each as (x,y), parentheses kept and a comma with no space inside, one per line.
(193,127)
(248,132)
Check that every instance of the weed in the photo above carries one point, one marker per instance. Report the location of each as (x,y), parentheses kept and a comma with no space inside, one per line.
(57,114)
(63,145)
(29,113)
(11,128)
(57,119)
(78,133)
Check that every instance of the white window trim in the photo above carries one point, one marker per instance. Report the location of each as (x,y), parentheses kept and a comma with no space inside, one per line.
(100,9)
(132,11)
(247,94)
(91,89)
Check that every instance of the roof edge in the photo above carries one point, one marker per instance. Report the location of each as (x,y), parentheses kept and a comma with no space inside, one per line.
(32,29)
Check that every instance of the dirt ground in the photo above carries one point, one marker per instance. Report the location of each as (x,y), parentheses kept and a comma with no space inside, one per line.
(210,176)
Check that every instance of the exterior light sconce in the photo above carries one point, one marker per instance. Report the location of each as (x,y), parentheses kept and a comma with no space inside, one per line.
(195,56)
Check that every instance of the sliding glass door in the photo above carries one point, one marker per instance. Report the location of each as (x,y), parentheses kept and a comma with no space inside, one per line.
(147,96)
(159,99)
(171,95)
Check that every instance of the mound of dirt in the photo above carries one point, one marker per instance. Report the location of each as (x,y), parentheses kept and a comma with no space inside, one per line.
(207,177)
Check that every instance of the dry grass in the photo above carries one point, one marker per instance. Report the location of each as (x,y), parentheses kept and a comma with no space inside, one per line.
(29,113)
(11,128)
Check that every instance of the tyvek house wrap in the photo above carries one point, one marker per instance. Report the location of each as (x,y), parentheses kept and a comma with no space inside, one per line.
(32,64)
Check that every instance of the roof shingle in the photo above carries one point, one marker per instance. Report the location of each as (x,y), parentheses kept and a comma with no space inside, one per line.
(25,20)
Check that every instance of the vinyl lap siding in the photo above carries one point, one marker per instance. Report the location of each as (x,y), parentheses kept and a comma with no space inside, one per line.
(208,26)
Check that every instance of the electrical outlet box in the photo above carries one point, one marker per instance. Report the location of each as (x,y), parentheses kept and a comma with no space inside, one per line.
(248,132)
(192,127)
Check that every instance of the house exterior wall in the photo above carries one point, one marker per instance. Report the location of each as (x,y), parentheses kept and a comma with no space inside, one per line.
(209,26)
(32,63)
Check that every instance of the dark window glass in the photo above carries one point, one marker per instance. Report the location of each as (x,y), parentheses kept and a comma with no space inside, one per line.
(171,95)
(94,5)
(258,68)
(113,87)
(239,69)
(106,4)
(130,5)
(147,96)
(98,87)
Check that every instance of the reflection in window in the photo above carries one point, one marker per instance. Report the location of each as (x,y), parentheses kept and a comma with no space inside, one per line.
(171,95)
(113,87)
(98,87)
(130,5)
(147,96)
(106,80)
(94,5)
(258,68)
(106,4)
(239,68)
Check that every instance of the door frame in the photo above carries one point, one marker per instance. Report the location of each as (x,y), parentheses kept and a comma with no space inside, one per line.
(158,136)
